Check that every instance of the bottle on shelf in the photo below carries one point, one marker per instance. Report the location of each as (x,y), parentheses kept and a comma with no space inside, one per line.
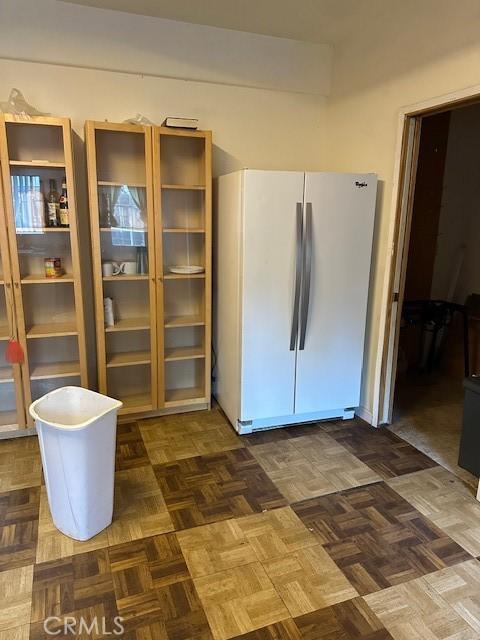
(108,312)
(53,205)
(63,205)
(106,216)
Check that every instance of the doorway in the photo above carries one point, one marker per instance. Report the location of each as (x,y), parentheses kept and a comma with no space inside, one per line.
(437,321)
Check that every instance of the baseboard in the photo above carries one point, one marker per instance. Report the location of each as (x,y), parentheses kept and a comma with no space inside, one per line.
(18,433)
(364,414)
(156,413)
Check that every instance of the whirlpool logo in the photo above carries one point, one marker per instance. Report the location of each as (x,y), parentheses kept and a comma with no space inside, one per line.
(361,184)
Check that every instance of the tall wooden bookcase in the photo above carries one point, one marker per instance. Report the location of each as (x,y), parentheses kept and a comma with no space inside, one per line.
(48,312)
(150,208)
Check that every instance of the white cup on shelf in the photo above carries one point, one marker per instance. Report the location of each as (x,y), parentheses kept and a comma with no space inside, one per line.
(108,269)
(128,268)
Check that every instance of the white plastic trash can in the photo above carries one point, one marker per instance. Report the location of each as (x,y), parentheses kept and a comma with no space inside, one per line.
(77,432)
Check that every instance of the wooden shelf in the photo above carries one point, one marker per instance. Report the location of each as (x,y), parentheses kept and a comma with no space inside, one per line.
(183,276)
(130,324)
(128,359)
(8,419)
(107,183)
(173,354)
(6,374)
(137,276)
(129,229)
(37,163)
(4,332)
(185,187)
(184,321)
(38,231)
(52,329)
(39,279)
(182,230)
(54,370)
(180,397)
(135,403)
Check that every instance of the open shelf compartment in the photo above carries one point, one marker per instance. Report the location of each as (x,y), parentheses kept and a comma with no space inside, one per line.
(182,162)
(184,382)
(53,357)
(132,386)
(35,144)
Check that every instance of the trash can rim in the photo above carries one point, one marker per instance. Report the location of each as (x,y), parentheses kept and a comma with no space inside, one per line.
(116,404)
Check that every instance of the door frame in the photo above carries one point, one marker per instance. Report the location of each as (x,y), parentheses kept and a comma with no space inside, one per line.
(405,169)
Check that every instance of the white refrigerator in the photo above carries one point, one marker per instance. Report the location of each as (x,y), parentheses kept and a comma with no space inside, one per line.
(291,278)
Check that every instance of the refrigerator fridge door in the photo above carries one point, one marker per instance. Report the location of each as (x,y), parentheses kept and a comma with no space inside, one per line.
(338,233)
(272,213)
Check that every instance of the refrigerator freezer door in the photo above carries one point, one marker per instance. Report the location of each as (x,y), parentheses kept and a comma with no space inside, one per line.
(329,367)
(271,202)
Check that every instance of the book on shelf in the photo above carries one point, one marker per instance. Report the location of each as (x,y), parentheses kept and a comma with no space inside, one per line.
(180,123)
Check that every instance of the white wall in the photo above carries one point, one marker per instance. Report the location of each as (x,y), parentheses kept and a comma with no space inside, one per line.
(458,253)
(374,76)
(52,31)
(251,127)
(48,49)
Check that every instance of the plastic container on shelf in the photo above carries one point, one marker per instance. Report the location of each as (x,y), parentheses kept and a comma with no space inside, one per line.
(77,433)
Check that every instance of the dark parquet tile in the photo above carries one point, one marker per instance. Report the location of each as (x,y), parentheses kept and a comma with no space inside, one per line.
(155,596)
(284,630)
(18,527)
(173,613)
(380,449)
(265,437)
(214,487)
(79,586)
(160,554)
(350,620)
(377,538)
(306,429)
(131,450)
(285,433)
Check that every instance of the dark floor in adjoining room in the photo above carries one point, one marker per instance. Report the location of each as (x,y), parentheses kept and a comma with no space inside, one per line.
(328,531)
(428,413)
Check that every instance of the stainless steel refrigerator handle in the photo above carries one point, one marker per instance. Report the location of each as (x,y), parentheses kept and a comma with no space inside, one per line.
(298,276)
(307,272)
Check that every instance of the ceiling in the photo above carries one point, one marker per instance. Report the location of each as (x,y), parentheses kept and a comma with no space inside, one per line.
(322,21)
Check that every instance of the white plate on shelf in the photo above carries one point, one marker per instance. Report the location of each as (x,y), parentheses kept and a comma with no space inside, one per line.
(187,269)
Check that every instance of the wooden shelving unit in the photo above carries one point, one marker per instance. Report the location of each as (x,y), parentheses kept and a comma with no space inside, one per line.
(150,188)
(50,319)
(120,180)
(183,202)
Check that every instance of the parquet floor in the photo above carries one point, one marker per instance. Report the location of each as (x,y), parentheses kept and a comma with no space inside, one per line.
(334,531)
